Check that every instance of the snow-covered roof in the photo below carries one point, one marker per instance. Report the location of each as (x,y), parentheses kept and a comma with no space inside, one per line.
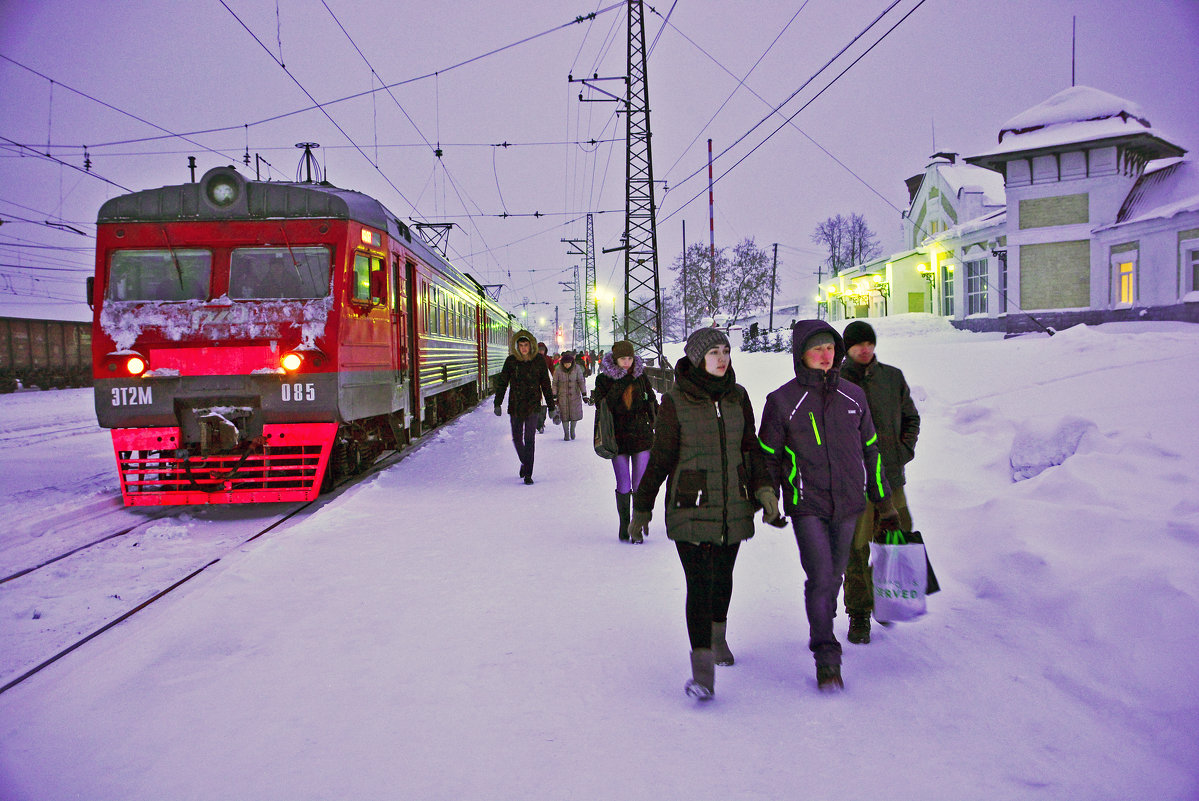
(1167,188)
(1074,116)
(1076,104)
(960,176)
(967,227)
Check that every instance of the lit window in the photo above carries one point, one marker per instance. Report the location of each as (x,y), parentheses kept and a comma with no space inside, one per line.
(1126,293)
(1124,277)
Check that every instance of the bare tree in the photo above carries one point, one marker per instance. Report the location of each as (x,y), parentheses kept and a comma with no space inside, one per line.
(848,240)
(730,285)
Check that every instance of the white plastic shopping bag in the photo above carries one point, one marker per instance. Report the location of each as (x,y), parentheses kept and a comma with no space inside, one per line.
(900,578)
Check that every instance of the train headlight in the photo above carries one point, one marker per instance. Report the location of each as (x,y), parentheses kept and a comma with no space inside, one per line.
(291,361)
(135,365)
(222,190)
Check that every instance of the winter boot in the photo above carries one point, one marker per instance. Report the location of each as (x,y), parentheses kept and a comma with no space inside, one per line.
(859,629)
(828,678)
(624,506)
(720,646)
(702,684)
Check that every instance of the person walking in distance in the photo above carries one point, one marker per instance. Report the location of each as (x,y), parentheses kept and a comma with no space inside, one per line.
(622,383)
(525,373)
(543,354)
(820,446)
(706,452)
(569,388)
(897,423)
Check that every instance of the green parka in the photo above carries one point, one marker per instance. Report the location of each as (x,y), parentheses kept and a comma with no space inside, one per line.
(706,451)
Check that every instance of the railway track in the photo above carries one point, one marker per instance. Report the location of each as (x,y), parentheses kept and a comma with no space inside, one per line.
(160,536)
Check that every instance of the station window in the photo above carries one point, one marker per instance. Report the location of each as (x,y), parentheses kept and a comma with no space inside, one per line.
(1124,277)
(976,286)
(1189,253)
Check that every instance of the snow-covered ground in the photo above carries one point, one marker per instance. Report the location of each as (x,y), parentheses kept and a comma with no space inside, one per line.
(446,632)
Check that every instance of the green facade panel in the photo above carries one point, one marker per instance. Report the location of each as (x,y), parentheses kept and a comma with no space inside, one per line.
(1055,275)
(1045,212)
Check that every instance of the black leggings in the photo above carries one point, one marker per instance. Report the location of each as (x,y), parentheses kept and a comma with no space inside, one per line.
(709,571)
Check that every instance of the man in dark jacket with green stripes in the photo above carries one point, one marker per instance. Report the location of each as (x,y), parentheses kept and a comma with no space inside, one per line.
(820,446)
(898,425)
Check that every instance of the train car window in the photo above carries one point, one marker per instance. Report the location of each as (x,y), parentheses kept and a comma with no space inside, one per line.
(397,287)
(363,265)
(170,274)
(279,273)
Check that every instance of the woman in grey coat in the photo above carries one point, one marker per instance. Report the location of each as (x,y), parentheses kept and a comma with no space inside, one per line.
(569,388)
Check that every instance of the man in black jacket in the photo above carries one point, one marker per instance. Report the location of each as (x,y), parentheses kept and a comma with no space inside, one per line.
(898,425)
(525,372)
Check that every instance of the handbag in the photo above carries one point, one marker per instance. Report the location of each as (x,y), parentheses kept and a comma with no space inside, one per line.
(604,437)
(901,575)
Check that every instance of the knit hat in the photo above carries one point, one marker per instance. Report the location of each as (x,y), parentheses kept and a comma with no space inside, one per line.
(819,338)
(621,349)
(701,341)
(858,332)
(568,356)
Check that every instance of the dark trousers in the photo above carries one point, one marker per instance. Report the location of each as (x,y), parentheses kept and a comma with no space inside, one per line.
(709,571)
(824,547)
(524,437)
(859,580)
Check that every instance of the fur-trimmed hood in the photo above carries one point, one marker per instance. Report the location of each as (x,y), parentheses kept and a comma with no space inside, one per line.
(523,334)
(612,370)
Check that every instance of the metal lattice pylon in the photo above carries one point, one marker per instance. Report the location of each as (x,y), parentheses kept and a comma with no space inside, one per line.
(642,296)
(590,301)
(578,333)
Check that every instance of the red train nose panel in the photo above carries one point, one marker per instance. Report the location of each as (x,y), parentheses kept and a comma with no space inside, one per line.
(286,464)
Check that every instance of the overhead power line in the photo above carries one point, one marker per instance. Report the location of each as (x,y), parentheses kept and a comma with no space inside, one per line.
(788,120)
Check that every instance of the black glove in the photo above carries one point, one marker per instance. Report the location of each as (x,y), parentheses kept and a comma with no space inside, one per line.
(498,410)
(888,517)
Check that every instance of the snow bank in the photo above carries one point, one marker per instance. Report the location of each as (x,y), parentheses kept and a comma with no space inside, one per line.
(1041,444)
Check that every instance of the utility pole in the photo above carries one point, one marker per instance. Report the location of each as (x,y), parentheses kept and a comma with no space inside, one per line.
(773,272)
(683,300)
(711,236)
(589,336)
(819,278)
(642,294)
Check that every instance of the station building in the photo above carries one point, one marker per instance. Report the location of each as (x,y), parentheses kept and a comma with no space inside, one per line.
(1082,213)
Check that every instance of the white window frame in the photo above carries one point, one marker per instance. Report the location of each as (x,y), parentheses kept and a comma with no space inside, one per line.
(1115,262)
(977,286)
(1188,259)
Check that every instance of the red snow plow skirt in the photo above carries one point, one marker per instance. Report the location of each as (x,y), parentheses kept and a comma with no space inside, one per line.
(286,464)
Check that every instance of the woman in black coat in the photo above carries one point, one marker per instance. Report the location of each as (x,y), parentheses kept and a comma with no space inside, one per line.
(623,385)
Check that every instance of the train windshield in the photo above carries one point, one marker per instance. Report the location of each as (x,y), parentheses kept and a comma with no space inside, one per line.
(279,273)
(171,274)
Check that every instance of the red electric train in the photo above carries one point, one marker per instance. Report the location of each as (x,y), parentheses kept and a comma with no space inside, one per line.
(252,340)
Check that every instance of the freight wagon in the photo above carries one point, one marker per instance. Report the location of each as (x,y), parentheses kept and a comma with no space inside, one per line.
(44,353)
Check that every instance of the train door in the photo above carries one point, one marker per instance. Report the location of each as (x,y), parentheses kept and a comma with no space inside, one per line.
(416,287)
(481,347)
(399,333)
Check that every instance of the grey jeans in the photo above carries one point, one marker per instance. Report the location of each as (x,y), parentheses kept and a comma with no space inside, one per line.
(824,547)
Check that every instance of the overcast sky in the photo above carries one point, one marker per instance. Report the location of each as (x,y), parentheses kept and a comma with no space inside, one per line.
(945,78)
